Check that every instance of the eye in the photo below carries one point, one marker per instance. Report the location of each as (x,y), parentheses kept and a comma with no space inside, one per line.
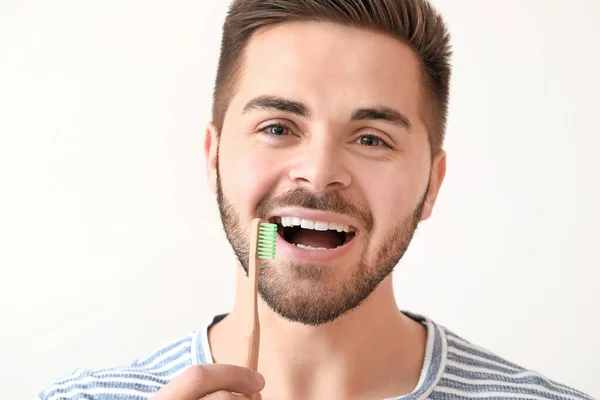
(371,140)
(276,130)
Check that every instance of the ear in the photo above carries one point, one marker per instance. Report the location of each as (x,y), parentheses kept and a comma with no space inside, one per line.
(438,172)
(211,148)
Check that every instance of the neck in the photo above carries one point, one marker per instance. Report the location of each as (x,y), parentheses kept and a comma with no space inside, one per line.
(373,351)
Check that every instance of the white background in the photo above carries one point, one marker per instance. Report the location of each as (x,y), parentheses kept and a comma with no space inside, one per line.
(110,243)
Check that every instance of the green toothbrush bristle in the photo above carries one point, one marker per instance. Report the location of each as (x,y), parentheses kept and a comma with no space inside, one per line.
(267,237)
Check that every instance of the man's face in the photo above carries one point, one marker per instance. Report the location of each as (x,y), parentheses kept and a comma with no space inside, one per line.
(324,132)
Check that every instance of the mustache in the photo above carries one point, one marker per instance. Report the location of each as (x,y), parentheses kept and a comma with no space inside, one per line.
(330,202)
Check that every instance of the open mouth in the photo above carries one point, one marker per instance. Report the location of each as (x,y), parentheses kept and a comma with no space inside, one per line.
(313,235)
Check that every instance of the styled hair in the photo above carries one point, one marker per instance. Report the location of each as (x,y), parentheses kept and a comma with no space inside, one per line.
(414,22)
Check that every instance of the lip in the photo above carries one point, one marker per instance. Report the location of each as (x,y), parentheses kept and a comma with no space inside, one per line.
(290,252)
(315,215)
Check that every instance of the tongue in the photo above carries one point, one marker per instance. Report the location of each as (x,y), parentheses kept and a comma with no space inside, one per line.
(308,237)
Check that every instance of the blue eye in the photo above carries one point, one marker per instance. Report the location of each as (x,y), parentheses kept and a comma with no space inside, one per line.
(371,140)
(276,130)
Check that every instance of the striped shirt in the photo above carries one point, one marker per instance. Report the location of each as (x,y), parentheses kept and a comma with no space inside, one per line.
(453,369)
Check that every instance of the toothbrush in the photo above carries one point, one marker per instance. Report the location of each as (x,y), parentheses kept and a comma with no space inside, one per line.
(262,247)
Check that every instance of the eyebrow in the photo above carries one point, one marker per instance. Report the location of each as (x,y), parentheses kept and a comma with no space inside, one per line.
(384,113)
(266,103)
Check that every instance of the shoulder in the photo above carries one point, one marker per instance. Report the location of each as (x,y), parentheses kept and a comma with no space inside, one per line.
(472,372)
(139,380)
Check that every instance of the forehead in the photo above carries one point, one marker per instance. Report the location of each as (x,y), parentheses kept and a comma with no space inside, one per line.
(330,67)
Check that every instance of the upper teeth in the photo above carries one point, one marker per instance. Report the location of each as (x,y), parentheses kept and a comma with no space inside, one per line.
(316,225)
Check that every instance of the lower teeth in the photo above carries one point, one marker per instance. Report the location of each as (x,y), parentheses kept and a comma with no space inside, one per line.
(310,247)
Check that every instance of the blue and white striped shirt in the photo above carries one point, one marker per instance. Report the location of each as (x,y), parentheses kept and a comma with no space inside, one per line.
(453,369)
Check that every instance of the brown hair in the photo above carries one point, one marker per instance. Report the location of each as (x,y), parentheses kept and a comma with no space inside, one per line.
(414,22)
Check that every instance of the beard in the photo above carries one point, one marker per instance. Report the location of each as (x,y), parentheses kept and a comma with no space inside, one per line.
(313,294)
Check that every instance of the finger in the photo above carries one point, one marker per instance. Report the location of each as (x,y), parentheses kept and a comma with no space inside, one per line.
(257,396)
(225,395)
(201,380)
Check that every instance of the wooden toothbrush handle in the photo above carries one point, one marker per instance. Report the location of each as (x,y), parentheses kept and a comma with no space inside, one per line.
(252,359)
(253,343)
(253,338)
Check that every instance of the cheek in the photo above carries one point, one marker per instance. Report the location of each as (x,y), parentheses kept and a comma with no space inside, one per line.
(393,191)
(388,191)
(247,176)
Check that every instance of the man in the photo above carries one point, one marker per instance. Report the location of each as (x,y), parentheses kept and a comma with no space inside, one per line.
(329,120)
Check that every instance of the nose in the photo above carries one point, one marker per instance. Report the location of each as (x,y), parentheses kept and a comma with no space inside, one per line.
(320,167)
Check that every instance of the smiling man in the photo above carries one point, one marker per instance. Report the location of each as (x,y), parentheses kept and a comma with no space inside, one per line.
(328,120)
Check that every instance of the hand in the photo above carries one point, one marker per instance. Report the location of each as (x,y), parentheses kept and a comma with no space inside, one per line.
(213,382)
